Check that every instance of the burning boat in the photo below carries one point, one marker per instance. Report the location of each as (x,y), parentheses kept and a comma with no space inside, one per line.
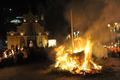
(77,59)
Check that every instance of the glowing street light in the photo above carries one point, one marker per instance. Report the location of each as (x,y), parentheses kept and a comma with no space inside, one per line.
(108,25)
(10,9)
(114,27)
(116,23)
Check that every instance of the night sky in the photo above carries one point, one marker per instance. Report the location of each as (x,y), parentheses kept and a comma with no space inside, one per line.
(88,15)
(53,11)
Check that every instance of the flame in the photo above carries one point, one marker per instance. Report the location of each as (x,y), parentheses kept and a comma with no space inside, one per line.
(66,59)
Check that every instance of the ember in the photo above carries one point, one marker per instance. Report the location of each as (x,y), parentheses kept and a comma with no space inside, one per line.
(68,60)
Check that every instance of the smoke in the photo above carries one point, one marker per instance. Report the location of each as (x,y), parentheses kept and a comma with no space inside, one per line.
(99,30)
(92,16)
(84,13)
(109,14)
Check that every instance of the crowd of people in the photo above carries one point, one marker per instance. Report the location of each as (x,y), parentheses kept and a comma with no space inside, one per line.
(22,55)
(14,55)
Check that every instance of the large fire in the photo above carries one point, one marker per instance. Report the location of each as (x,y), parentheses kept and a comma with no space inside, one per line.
(77,60)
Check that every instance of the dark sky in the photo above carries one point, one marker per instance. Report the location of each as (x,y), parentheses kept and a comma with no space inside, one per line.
(88,15)
(18,9)
(53,11)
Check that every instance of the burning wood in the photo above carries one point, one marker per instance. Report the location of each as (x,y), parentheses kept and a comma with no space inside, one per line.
(74,61)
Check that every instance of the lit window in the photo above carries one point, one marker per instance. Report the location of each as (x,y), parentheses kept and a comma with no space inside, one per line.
(24,20)
(11,34)
(21,33)
(39,33)
(10,9)
(36,21)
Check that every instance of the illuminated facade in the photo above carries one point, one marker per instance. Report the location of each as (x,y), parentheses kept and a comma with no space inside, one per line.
(30,32)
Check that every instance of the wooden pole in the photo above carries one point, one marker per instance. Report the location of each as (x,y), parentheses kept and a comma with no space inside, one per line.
(72,30)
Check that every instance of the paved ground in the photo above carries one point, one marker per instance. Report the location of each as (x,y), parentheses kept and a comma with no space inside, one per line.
(39,71)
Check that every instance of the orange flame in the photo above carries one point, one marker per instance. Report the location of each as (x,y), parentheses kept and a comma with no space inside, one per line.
(68,60)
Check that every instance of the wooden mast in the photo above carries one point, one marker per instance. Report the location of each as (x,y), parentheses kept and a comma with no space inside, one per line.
(72,30)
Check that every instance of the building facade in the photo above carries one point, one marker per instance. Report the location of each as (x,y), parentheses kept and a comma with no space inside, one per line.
(30,33)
